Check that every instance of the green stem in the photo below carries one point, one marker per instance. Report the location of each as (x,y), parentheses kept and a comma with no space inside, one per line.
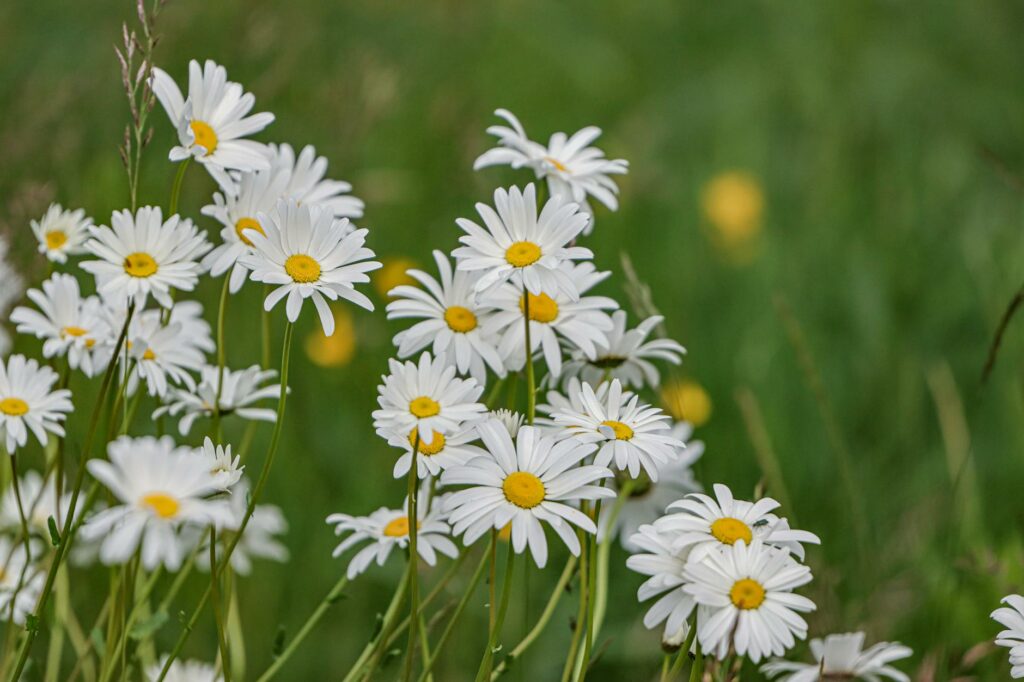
(484,672)
(584,661)
(697,670)
(122,641)
(62,606)
(375,648)
(684,652)
(581,614)
(221,310)
(218,610)
(176,187)
(414,582)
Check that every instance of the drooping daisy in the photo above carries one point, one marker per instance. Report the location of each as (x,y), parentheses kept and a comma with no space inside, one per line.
(518,246)
(21,581)
(626,355)
(452,321)
(260,538)
(142,254)
(843,657)
(240,392)
(225,470)
(68,323)
(654,556)
(160,354)
(61,233)
(309,254)
(386,529)
(442,452)
(426,397)
(11,287)
(40,503)
(184,671)
(704,523)
(213,120)
(633,436)
(746,599)
(572,168)
(162,488)
(29,403)
(582,322)
(1011,617)
(532,480)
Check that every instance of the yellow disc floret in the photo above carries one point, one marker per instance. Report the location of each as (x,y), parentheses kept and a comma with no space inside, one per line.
(13,407)
(204,136)
(302,269)
(728,530)
(460,319)
(424,407)
(622,431)
(521,254)
(140,264)
(162,504)
(557,164)
(542,308)
(73,331)
(397,527)
(746,594)
(244,224)
(432,448)
(56,239)
(523,489)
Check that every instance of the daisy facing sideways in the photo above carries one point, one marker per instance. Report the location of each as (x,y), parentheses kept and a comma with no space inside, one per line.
(61,233)
(29,403)
(843,657)
(239,392)
(532,481)
(1011,617)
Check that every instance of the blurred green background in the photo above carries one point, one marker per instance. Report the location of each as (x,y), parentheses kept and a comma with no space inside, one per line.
(848,269)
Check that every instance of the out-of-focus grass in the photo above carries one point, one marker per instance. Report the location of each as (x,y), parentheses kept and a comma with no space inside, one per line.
(887,228)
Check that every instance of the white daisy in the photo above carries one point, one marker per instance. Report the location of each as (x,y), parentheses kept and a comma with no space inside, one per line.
(626,355)
(307,185)
(569,401)
(162,488)
(142,254)
(189,314)
(213,120)
(241,390)
(654,556)
(452,321)
(309,254)
(258,541)
(532,480)
(29,403)
(443,451)
(520,247)
(1011,617)
(40,503)
(843,657)
(581,321)
(510,419)
(746,599)
(68,324)
(184,671)
(61,233)
(428,397)
(160,354)
(633,435)
(11,287)
(21,581)
(225,470)
(572,168)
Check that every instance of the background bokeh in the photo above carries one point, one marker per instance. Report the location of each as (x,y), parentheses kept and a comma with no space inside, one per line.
(825,200)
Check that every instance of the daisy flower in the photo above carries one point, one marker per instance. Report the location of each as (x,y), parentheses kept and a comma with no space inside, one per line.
(189,314)
(11,287)
(258,541)
(68,323)
(510,419)
(532,480)
(746,599)
(20,580)
(654,556)
(184,671)
(426,397)
(451,321)
(29,403)
(442,452)
(520,247)
(626,355)
(842,656)
(213,120)
(704,523)
(142,254)
(1012,618)
(572,168)
(40,503)
(633,435)
(160,354)
(61,233)
(307,185)
(569,401)
(240,391)
(581,322)
(161,487)
(226,472)
(308,254)
(386,529)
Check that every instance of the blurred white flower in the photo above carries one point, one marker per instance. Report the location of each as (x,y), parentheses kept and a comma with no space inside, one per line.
(626,355)
(21,580)
(1011,617)
(160,354)
(225,470)
(11,287)
(184,671)
(654,556)
(29,403)
(40,503)
(241,390)
(258,541)
(61,233)
(843,657)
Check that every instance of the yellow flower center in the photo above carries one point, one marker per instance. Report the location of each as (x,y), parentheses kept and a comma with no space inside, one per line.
(204,136)
(542,308)
(13,407)
(149,354)
(302,268)
(424,407)
(728,530)
(162,504)
(622,431)
(244,224)
(557,164)
(460,319)
(523,489)
(140,265)
(56,239)
(398,527)
(521,254)
(73,331)
(89,343)
(747,594)
(432,448)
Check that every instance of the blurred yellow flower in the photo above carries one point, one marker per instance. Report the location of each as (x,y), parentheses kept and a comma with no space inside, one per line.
(505,534)
(687,400)
(336,350)
(733,203)
(392,274)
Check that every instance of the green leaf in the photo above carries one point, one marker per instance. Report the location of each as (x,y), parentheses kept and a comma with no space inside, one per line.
(51,523)
(149,626)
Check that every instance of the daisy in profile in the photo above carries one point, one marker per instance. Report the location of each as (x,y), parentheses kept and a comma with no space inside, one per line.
(426,398)
(184,671)
(571,400)
(654,557)
(532,480)
(260,538)
(451,321)
(843,657)
(307,184)
(626,355)
(161,488)
(160,355)
(1011,617)
(443,451)
(240,392)
(510,419)
(142,254)
(746,599)
(554,315)
(518,246)
(40,501)
(20,580)
(386,529)
(225,470)
(633,436)
(306,253)
(572,168)
(29,403)
(68,324)
(11,287)
(61,233)
(213,120)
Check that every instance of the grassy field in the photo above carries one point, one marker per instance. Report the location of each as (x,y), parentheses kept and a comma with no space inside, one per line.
(846,279)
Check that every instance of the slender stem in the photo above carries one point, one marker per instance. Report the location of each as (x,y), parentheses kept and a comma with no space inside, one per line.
(531,384)
(122,642)
(21,510)
(221,310)
(62,606)
(584,662)
(218,613)
(697,669)
(581,613)
(684,652)
(484,672)
(176,187)
(414,583)
(374,650)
